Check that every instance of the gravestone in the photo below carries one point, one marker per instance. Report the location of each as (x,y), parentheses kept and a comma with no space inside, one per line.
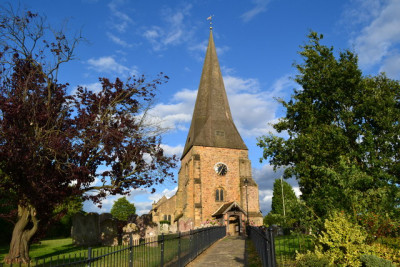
(85,229)
(127,230)
(109,232)
(185,225)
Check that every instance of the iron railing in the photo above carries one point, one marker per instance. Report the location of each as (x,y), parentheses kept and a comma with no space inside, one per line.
(165,250)
(263,240)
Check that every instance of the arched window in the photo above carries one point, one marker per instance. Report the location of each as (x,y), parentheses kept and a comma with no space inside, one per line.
(165,217)
(219,194)
(169,218)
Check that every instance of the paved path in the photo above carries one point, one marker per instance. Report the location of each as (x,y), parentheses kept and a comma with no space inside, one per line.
(226,252)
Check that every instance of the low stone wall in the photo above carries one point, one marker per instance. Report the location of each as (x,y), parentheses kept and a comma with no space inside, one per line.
(93,229)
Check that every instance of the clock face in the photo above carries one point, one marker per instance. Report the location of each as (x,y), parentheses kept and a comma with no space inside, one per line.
(220,168)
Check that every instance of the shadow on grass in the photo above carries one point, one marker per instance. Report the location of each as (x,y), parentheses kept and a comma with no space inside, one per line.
(65,249)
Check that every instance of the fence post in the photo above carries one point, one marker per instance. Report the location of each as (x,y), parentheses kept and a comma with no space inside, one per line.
(272,246)
(179,249)
(162,250)
(130,251)
(89,255)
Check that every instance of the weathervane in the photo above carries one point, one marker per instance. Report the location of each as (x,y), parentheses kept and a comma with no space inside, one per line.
(210,19)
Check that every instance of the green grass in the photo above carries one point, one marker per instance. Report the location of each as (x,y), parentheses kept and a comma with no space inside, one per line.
(253,259)
(144,255)
(287,246)
(45,248)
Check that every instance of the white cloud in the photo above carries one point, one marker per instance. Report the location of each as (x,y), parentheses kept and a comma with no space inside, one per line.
(377,39)
(118,40)
(119,20)
(108,64)
(142,207)
(172,150)
(260,7)
(391,65)
(199,50)
(94,87)
(265,178)
(252,109)
(107,203)
(166,192)
(176,29)
(178,114)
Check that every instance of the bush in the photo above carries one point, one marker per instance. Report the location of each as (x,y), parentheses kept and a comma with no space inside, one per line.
(385,252)
(165,222)
(379,225)
(312,260)
(375,261)
(342,242)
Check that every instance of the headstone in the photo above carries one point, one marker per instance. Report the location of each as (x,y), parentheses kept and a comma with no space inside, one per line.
(85,229)
(109,232)
(185,225)
(127,230)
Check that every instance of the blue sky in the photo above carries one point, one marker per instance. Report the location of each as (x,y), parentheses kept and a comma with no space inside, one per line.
(257,43)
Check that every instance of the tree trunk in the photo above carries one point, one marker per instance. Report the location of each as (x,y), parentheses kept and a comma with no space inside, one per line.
(19,247)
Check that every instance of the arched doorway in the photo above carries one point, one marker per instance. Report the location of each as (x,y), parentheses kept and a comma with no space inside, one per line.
(234,225)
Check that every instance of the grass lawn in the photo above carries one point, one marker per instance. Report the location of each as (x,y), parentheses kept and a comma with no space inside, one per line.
(286,247)
(46,248)
(253,259)
(63,251)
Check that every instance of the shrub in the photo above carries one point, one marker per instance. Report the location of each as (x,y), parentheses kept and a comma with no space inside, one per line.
(375,261)
(165,222)
(378,225)
(385,252)
(342,241)
(312,260)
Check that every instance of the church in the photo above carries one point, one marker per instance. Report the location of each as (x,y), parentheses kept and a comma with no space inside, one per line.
(215,184)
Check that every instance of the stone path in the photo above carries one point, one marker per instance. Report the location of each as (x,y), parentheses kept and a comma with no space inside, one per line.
(228,251)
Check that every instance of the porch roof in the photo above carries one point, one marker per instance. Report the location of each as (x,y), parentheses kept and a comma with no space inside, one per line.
(227,207)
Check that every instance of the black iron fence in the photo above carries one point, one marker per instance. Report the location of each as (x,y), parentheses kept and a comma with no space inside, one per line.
(278,249)
(263,240)
(165,250)
(287,246)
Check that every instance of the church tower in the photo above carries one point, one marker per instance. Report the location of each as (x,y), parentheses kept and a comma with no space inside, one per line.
(215,182)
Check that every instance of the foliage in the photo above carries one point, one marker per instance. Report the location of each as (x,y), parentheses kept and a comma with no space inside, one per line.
(61,224)
(385,252)
(379,226)
(165,222)
(122,209)
(282,202)
(52,144)
(342,241)
(373,261)
(342,128)
(272,219)
(310,259)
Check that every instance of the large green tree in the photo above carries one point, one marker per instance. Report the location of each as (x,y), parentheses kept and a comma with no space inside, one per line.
(122,209)
(341,134)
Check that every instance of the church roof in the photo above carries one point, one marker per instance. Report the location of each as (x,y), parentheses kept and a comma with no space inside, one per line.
(212,123)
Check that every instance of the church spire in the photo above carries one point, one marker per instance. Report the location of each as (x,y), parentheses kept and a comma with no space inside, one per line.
(212,124)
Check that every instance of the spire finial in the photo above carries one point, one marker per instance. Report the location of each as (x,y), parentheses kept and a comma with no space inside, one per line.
(210,19)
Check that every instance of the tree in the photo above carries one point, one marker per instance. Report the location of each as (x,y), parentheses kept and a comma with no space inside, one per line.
(284,207)
(281,203)
(122,209)
(343,134)
(52,144)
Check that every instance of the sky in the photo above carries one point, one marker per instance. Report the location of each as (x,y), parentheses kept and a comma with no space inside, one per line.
(257,43)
